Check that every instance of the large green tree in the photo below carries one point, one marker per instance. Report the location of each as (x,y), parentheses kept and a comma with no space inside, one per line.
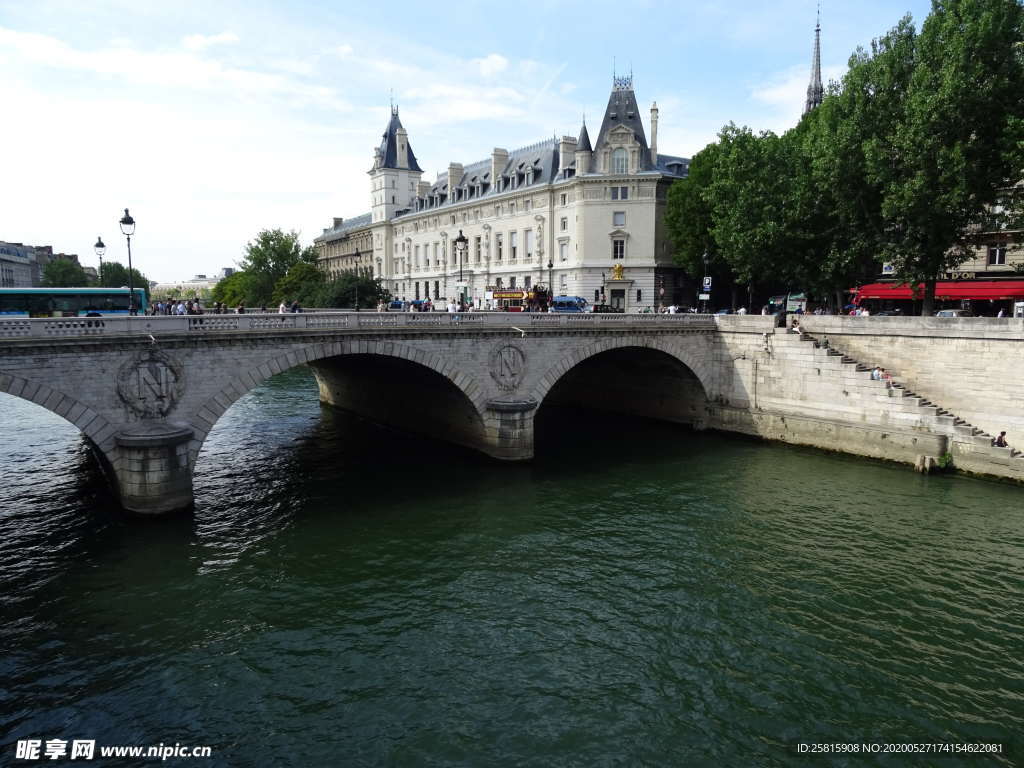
(234,290)
(688,214)
(114,274)
(268,258)
(64,273)
(343,291)
(303,283)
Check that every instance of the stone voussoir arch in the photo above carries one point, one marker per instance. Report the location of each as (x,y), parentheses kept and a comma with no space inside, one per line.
(239,385)
(91,424)
(695,358)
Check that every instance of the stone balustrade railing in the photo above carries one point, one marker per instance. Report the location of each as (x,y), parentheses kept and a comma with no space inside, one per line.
(367,321)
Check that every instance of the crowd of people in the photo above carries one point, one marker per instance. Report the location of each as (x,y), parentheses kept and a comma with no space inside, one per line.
(194,307)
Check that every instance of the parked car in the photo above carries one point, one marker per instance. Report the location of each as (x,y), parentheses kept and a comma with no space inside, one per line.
(569,304)
(954,313)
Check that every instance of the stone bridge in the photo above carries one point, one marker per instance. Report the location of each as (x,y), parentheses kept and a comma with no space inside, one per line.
(146,391)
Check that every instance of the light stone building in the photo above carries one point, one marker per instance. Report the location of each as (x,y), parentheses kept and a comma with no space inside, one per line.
(583,219)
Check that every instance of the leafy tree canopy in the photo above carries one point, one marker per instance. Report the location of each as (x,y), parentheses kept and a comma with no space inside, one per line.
(115,275)
(64,273)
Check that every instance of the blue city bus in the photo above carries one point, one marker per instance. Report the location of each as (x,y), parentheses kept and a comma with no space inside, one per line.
(68,302)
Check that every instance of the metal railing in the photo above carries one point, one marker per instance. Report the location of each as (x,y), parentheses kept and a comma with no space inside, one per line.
(339,321)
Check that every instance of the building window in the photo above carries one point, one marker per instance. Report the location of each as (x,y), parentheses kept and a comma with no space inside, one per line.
(528,205)
(997,254)
(512,246)
(619,219)
(526,282)
(497,282)
(618,249)
(512,282)
(528,242)
(597,296)
(511,209)
(497,211)
(563,199)
(476,249)
(620,193)
(639,294)
(563,285)
(563,251)
(497,247)
(564,223)
(620,159)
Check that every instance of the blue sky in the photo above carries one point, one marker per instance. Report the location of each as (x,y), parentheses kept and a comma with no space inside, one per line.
(214,120)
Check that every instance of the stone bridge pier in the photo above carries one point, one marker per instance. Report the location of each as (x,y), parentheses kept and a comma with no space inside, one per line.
(146,392)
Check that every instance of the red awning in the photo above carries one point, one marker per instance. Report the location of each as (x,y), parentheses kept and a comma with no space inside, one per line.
(963,289)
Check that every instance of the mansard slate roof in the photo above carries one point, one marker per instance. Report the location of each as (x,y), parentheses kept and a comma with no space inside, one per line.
(622,110)
(541,158)
(389,145)
(356,222)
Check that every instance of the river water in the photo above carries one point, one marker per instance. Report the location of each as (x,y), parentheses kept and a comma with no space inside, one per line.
(639,595)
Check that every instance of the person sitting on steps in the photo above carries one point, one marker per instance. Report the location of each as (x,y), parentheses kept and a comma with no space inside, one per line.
(1000,442)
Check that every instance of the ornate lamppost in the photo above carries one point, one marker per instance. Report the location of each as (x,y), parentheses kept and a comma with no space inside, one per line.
(100,249)
(461,244)
(356,259)
(128,228)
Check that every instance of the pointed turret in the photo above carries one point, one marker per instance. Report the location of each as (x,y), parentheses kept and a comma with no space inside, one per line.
(395,174)
(583,143)
(622,133)
(815,91)
(395,149)
(583,151)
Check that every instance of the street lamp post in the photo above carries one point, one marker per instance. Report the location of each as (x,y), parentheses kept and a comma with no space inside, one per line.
(128,228)
(706,259)
(603,297)
(551,280)
(356,259)
(100,249)
(461,243)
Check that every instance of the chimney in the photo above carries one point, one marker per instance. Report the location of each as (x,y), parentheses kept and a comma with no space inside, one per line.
(402,148)
(566,152)
(454,177)
(337,222)
(423,189)
(499,159)
(654,133)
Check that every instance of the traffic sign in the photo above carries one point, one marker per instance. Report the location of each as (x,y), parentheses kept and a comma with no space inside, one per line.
(703,297)
(707,284)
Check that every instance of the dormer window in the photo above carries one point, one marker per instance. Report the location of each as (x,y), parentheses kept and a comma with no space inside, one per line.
(620,160)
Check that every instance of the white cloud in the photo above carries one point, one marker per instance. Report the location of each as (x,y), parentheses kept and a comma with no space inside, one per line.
(491,64)
(344,51)
(785,93)
(198,42)
(167,69)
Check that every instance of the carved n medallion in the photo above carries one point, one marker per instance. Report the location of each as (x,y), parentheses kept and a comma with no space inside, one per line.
(151,383)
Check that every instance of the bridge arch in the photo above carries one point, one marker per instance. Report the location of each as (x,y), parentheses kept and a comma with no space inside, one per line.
(694,356)
(94,426)
(211,411)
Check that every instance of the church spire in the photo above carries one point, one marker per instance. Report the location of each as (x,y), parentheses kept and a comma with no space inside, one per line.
(815,91)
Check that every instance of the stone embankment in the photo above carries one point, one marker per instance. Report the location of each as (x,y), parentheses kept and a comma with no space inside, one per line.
(816,388)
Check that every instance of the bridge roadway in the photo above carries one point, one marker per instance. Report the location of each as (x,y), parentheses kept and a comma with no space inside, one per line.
(146,391)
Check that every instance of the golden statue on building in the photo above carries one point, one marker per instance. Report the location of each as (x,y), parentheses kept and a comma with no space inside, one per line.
(617,271)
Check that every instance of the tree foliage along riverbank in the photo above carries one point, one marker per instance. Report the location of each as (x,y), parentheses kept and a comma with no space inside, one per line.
(64,273)
(919,147)
(277,268)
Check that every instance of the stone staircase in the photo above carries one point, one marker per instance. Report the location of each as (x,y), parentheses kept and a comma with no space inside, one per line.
(934,416)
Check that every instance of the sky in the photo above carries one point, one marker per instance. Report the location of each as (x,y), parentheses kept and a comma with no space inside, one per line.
(211,121)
